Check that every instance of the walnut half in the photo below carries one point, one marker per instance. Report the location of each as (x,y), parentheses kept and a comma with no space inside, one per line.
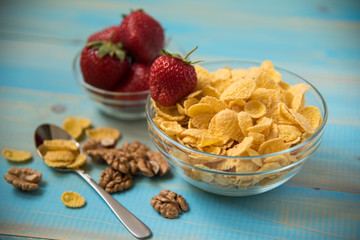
(24,178)
(169,204)
(114,181)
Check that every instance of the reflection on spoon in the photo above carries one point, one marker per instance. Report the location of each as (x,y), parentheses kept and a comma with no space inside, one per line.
(131,223)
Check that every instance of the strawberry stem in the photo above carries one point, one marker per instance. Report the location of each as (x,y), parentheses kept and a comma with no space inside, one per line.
(179,57)
(108,48)
(190,52)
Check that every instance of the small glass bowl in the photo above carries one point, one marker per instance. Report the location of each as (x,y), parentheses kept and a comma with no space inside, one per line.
(122,105)
(183,159)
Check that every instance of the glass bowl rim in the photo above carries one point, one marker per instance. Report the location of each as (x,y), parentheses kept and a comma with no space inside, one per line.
(318,132)
(77,72)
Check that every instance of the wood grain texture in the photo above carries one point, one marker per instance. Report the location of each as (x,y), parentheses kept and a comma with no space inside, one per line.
(318,40)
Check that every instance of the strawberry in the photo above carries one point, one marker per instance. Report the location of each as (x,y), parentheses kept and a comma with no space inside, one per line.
(105,34)
(142,36)
(137,79)
(103,64)
(171,78)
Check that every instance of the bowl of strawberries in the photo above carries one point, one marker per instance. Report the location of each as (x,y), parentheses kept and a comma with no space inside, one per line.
(113,67)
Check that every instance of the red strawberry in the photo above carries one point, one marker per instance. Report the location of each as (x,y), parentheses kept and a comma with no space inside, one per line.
(105,34)
(142,36)
(137,79)
(171,78)
(103,64)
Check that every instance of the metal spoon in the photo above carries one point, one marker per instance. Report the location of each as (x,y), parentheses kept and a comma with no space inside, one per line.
(131,223)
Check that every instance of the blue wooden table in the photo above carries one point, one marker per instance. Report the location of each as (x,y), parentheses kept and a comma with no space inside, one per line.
(319,40)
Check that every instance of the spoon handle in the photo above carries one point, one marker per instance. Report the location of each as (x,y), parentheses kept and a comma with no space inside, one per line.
(131,223)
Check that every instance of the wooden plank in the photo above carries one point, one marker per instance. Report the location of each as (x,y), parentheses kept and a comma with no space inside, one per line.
(319,33)
(285,213)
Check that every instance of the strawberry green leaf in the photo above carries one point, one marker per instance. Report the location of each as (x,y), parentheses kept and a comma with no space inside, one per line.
(175,55)
(120,54)
(108,48)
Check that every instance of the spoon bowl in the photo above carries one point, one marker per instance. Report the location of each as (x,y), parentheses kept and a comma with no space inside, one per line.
(131,223)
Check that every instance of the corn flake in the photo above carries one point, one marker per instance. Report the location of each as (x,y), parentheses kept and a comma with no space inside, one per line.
(289,133)
(170,113)
(238,74)
(210,91)
(215,103)
(240,148)
(241,89)
(262,79)
(214,137)
(221,79)
(201,121)
(72,199)
(255,108)
(171,127)
(268,67)
(302,121)
(200,108)
(203,77)
(227,122)
(245,166)
(312,115)
(299,95)
(271,146)
(102,133)
(280,159)
(16,155)
(261,125)
(72,128)
(273,132)
(60,144)
(259,138)
(268,97)
(59,156)
(75,125)
(79,161)
(245,122)
(180,109)
(194,94)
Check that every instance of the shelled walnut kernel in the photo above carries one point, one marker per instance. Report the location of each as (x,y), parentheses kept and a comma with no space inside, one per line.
(115,181)
(169,204)
(24,178)
(128,161)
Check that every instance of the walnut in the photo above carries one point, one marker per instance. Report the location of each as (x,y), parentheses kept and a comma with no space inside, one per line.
(96,144)
(153,164)
(119,161)
(98,154)
(96,149)
(91,144)
(135,149)
(148,163)
(169,204)
(24,178)
(114,181)
(159,165)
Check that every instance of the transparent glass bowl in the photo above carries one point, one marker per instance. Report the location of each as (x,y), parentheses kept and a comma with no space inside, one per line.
(183,159)
(122,105)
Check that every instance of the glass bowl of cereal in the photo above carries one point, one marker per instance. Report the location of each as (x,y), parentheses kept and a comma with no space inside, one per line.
(246,128)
